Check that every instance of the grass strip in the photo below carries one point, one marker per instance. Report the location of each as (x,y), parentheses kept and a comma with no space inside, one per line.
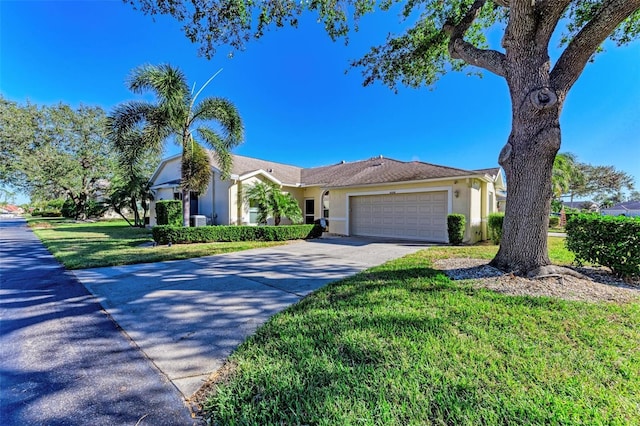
(401,344)
(111,243)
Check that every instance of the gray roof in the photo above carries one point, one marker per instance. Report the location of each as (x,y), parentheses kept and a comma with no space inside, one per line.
(627,205)
(377,170)
(493,171)
(283,172)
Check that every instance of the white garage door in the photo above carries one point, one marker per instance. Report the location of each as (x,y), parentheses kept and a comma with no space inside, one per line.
(417,216)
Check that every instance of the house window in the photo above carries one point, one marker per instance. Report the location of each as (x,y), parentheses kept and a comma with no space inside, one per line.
(490,202)
(325,205)
(253,212)
(309,211)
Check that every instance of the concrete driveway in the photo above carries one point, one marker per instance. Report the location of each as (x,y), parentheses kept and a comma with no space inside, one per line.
(189,315)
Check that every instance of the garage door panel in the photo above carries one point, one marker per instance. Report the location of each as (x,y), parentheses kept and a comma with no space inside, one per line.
(420,215)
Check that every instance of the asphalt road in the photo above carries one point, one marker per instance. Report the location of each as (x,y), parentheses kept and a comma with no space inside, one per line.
(63,360)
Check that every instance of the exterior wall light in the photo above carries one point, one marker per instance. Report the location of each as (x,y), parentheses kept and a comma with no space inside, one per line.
(456,193)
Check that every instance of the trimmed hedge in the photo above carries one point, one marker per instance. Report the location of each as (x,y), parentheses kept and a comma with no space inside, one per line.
(612,241)
(169,212)
(554,221)
(495,226)
(209,234)
(455,228)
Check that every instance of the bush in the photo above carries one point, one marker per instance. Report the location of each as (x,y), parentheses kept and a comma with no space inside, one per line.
(455,228)
(169,212)
(495,227)
(554,222)
(606,240)
(209,234)
(51,213)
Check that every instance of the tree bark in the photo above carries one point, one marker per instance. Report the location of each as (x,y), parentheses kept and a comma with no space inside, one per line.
(528,156)
(186,207)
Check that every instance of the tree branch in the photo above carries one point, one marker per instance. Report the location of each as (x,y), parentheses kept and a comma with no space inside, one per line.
(551,12)
(490,60)
(586,42)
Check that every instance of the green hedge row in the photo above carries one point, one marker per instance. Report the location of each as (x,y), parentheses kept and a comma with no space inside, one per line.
(455,228)
(164,234)
(169,212)
(606,240)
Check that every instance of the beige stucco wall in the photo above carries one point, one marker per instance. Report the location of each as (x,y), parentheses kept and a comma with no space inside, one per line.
(465,196)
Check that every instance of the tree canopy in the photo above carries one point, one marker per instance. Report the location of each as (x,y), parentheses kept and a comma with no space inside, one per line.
(56,151)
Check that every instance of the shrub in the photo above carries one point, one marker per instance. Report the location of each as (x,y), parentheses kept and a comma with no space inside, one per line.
(554,222)
(455,228)
(51,213)
(495,226)
(169,212)
(606,240)
(208,234)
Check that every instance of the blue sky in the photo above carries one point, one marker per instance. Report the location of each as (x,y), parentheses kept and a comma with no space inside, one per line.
(298,105)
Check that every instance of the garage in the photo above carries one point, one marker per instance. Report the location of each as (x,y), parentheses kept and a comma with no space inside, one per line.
(416,215)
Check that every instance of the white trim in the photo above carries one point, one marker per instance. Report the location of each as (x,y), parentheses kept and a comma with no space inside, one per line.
(339,219)
(260,172)
(448,189)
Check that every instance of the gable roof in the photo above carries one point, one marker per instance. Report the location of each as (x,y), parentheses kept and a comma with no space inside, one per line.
(287,174)
(627,205)
(377,170)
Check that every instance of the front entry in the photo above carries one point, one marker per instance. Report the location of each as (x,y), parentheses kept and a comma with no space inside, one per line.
(309,211)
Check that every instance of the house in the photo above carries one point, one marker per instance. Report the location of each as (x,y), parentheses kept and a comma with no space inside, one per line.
(379,197)
(581,205)
(628,208)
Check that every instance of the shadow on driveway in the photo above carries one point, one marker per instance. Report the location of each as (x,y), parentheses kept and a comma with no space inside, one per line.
(189,315)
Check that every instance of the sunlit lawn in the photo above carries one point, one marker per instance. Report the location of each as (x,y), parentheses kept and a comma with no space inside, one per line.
(108,243)
(401,344)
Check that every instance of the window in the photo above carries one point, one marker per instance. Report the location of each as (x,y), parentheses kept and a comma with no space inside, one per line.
(309,211)
(253,212)
(325,205)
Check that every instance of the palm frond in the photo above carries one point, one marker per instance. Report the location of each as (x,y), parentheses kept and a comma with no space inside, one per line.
(196,168)
(168,83)
(226,114)
(127,117)
(221,151)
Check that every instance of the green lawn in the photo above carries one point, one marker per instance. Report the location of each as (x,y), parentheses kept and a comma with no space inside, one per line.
(109,243)
(401,344)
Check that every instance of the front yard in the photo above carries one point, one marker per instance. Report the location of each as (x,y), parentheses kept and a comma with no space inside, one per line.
(110,243)
(402,344)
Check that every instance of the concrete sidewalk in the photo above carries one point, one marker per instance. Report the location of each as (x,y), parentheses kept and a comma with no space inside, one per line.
(188,316)
(63,361)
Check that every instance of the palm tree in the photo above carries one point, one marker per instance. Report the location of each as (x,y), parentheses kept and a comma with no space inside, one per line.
(175,113)
(564,171)
(271,202)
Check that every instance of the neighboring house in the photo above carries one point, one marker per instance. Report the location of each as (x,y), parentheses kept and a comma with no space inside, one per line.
(378,197)
(581,205)
(628,208)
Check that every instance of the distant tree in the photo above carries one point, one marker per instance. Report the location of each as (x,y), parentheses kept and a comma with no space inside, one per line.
(606,183)
(175,113)
(272,202)
(59,152)
(131,189)
(449,35)
(634,196)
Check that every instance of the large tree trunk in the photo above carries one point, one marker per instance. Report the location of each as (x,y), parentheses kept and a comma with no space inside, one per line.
(527,158)
(523,248)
